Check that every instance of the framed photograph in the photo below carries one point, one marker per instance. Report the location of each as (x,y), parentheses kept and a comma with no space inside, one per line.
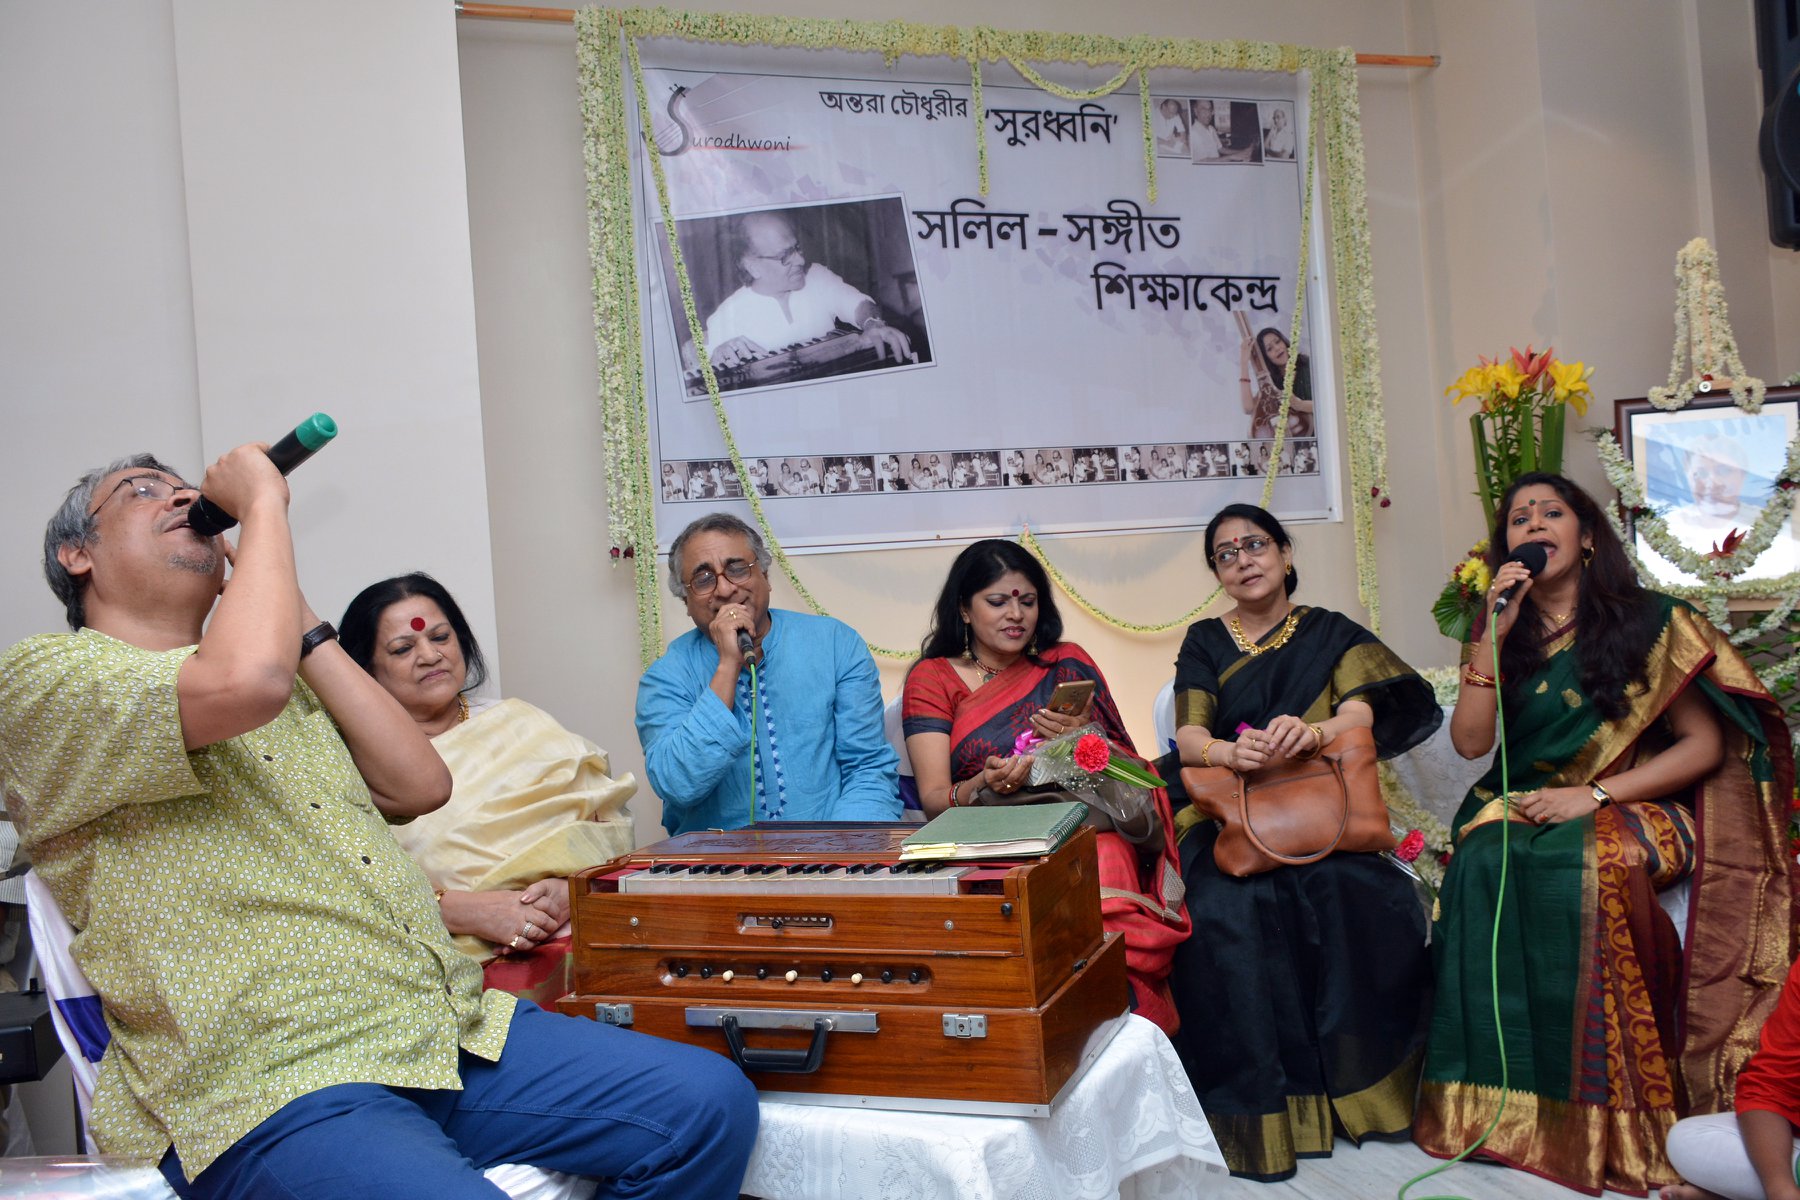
(1707,469)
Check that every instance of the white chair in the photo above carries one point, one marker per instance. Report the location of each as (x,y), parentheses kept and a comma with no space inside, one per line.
(1162,717)
(912,810)
(81,1028)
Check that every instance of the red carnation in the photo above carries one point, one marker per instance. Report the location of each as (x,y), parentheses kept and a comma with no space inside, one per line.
(1092,753)
(1410,847)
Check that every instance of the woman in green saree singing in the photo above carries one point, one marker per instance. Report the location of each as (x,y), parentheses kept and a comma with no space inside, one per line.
(1639,749)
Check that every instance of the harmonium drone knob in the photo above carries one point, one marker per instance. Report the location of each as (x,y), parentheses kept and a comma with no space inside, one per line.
(856,977)
(791,976)
(728,976)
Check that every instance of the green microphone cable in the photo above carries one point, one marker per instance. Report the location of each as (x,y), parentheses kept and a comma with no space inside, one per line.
(1493,951)
(755,724)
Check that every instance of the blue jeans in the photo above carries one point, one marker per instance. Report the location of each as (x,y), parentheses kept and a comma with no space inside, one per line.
(652,1117)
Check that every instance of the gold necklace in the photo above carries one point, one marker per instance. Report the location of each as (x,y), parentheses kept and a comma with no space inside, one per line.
(462,708)
(987,672)
(1251,648)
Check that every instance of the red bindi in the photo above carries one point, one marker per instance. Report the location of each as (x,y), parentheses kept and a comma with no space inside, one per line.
(418,624)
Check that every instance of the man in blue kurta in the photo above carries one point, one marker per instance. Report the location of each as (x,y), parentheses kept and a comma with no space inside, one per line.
(798,739)
(205,784)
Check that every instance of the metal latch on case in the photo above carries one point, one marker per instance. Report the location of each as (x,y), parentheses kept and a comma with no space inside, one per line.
(965,1025)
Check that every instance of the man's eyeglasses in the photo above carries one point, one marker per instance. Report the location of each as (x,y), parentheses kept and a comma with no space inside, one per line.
(145,487)
(703,581)
(1254,545)
(786,258)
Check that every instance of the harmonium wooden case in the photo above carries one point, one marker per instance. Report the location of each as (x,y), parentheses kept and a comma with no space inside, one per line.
(834,973)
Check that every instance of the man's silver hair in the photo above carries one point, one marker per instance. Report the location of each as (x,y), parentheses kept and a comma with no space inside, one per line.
(713,523)
(74,525)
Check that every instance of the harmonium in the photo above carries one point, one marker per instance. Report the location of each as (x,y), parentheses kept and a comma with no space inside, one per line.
(832,972)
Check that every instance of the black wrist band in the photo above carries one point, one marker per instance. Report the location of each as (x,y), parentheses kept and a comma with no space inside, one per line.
(317,636)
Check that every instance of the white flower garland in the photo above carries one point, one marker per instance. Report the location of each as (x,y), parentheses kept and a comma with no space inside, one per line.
(1703,334)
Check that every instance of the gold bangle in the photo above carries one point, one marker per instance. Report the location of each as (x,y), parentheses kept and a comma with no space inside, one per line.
(1206,752)
(1475,678)
(1319,745)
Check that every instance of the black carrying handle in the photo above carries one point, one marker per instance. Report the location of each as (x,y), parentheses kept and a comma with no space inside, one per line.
(776,1062)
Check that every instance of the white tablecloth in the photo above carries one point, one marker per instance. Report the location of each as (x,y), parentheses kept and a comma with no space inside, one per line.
(1131,1127)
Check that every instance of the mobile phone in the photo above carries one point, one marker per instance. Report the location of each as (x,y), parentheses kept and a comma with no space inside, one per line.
(1071,696)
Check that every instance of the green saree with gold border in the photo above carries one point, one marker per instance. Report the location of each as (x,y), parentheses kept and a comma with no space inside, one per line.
(1611,1033)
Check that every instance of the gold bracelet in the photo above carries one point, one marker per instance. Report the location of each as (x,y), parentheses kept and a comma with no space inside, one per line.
(1318,745)
(1475,678)
(1206,752)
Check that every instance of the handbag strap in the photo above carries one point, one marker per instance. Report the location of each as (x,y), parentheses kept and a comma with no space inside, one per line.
(1337,770)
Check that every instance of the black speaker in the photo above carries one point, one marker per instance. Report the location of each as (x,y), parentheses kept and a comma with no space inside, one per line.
(1778,53)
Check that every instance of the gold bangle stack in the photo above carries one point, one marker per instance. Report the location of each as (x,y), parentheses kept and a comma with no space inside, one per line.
(1206,752)
(1475,678)
(1318,743)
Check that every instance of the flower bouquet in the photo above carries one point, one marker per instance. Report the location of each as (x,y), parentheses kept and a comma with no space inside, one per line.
(1519,426)
(1084,764)
(1428,877)
(1464,594)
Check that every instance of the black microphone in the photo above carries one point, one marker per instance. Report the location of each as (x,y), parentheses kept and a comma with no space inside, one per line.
(747,645)
(206,518)
(1533,556)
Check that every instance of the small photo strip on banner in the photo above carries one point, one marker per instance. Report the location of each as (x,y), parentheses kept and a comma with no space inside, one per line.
(1215,130)
(955,470)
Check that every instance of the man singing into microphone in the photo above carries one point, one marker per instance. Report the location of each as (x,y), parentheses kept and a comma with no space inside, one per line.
(811,736)
(204,780)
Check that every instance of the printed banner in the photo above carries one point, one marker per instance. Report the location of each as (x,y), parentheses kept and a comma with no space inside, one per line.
(903,360)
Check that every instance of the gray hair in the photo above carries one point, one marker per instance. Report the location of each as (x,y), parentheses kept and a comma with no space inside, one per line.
(713,523)
(74,525)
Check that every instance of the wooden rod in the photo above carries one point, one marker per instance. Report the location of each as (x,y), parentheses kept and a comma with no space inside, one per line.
(509,12)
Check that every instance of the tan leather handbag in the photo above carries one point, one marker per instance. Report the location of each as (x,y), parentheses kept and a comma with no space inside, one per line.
(1295,812)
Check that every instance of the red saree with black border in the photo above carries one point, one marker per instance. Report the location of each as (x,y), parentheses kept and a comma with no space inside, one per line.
(1140,893)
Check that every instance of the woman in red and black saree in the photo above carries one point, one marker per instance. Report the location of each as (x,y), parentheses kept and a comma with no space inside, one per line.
(1639,749)
(1302,991)
(994,656)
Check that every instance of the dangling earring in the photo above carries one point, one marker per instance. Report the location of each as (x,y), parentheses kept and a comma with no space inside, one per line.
(1290,569)
(968,640)
(1587,556)
(1031,649)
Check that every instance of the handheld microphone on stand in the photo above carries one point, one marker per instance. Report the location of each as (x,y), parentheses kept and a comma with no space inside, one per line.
(1533,556)
(306,439)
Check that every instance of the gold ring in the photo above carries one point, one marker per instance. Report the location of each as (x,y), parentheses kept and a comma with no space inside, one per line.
(514,944)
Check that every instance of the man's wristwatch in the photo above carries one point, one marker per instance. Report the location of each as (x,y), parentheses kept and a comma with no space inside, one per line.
(317,636)
(1602,797)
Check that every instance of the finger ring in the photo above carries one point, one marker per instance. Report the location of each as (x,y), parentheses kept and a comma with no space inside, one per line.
(530,930)
(514,944)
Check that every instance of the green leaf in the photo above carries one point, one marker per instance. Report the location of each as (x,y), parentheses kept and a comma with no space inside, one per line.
(1453,615)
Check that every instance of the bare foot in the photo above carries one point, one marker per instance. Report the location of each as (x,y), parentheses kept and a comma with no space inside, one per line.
(1686,1191)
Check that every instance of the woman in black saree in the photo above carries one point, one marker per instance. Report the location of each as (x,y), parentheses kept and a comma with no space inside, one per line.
(1302,990)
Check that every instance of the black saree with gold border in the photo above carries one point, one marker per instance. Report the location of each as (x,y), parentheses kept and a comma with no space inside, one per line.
(1303,990)
(1611,1032)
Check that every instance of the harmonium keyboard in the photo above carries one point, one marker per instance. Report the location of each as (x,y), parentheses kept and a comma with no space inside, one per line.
(832,354)
(834,973)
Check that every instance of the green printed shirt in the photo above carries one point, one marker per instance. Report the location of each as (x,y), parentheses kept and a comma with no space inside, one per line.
(253,929)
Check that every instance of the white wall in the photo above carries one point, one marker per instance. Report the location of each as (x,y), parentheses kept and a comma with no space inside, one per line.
(220,217)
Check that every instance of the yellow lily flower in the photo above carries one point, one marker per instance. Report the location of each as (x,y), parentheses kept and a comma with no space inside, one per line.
(1569,385)
(1506,379)
(1473,382)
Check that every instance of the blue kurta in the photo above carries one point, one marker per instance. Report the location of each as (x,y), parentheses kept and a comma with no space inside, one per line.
(821,752)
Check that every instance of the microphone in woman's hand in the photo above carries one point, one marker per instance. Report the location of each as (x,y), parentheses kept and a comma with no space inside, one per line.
(206,518)
(1533,556)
